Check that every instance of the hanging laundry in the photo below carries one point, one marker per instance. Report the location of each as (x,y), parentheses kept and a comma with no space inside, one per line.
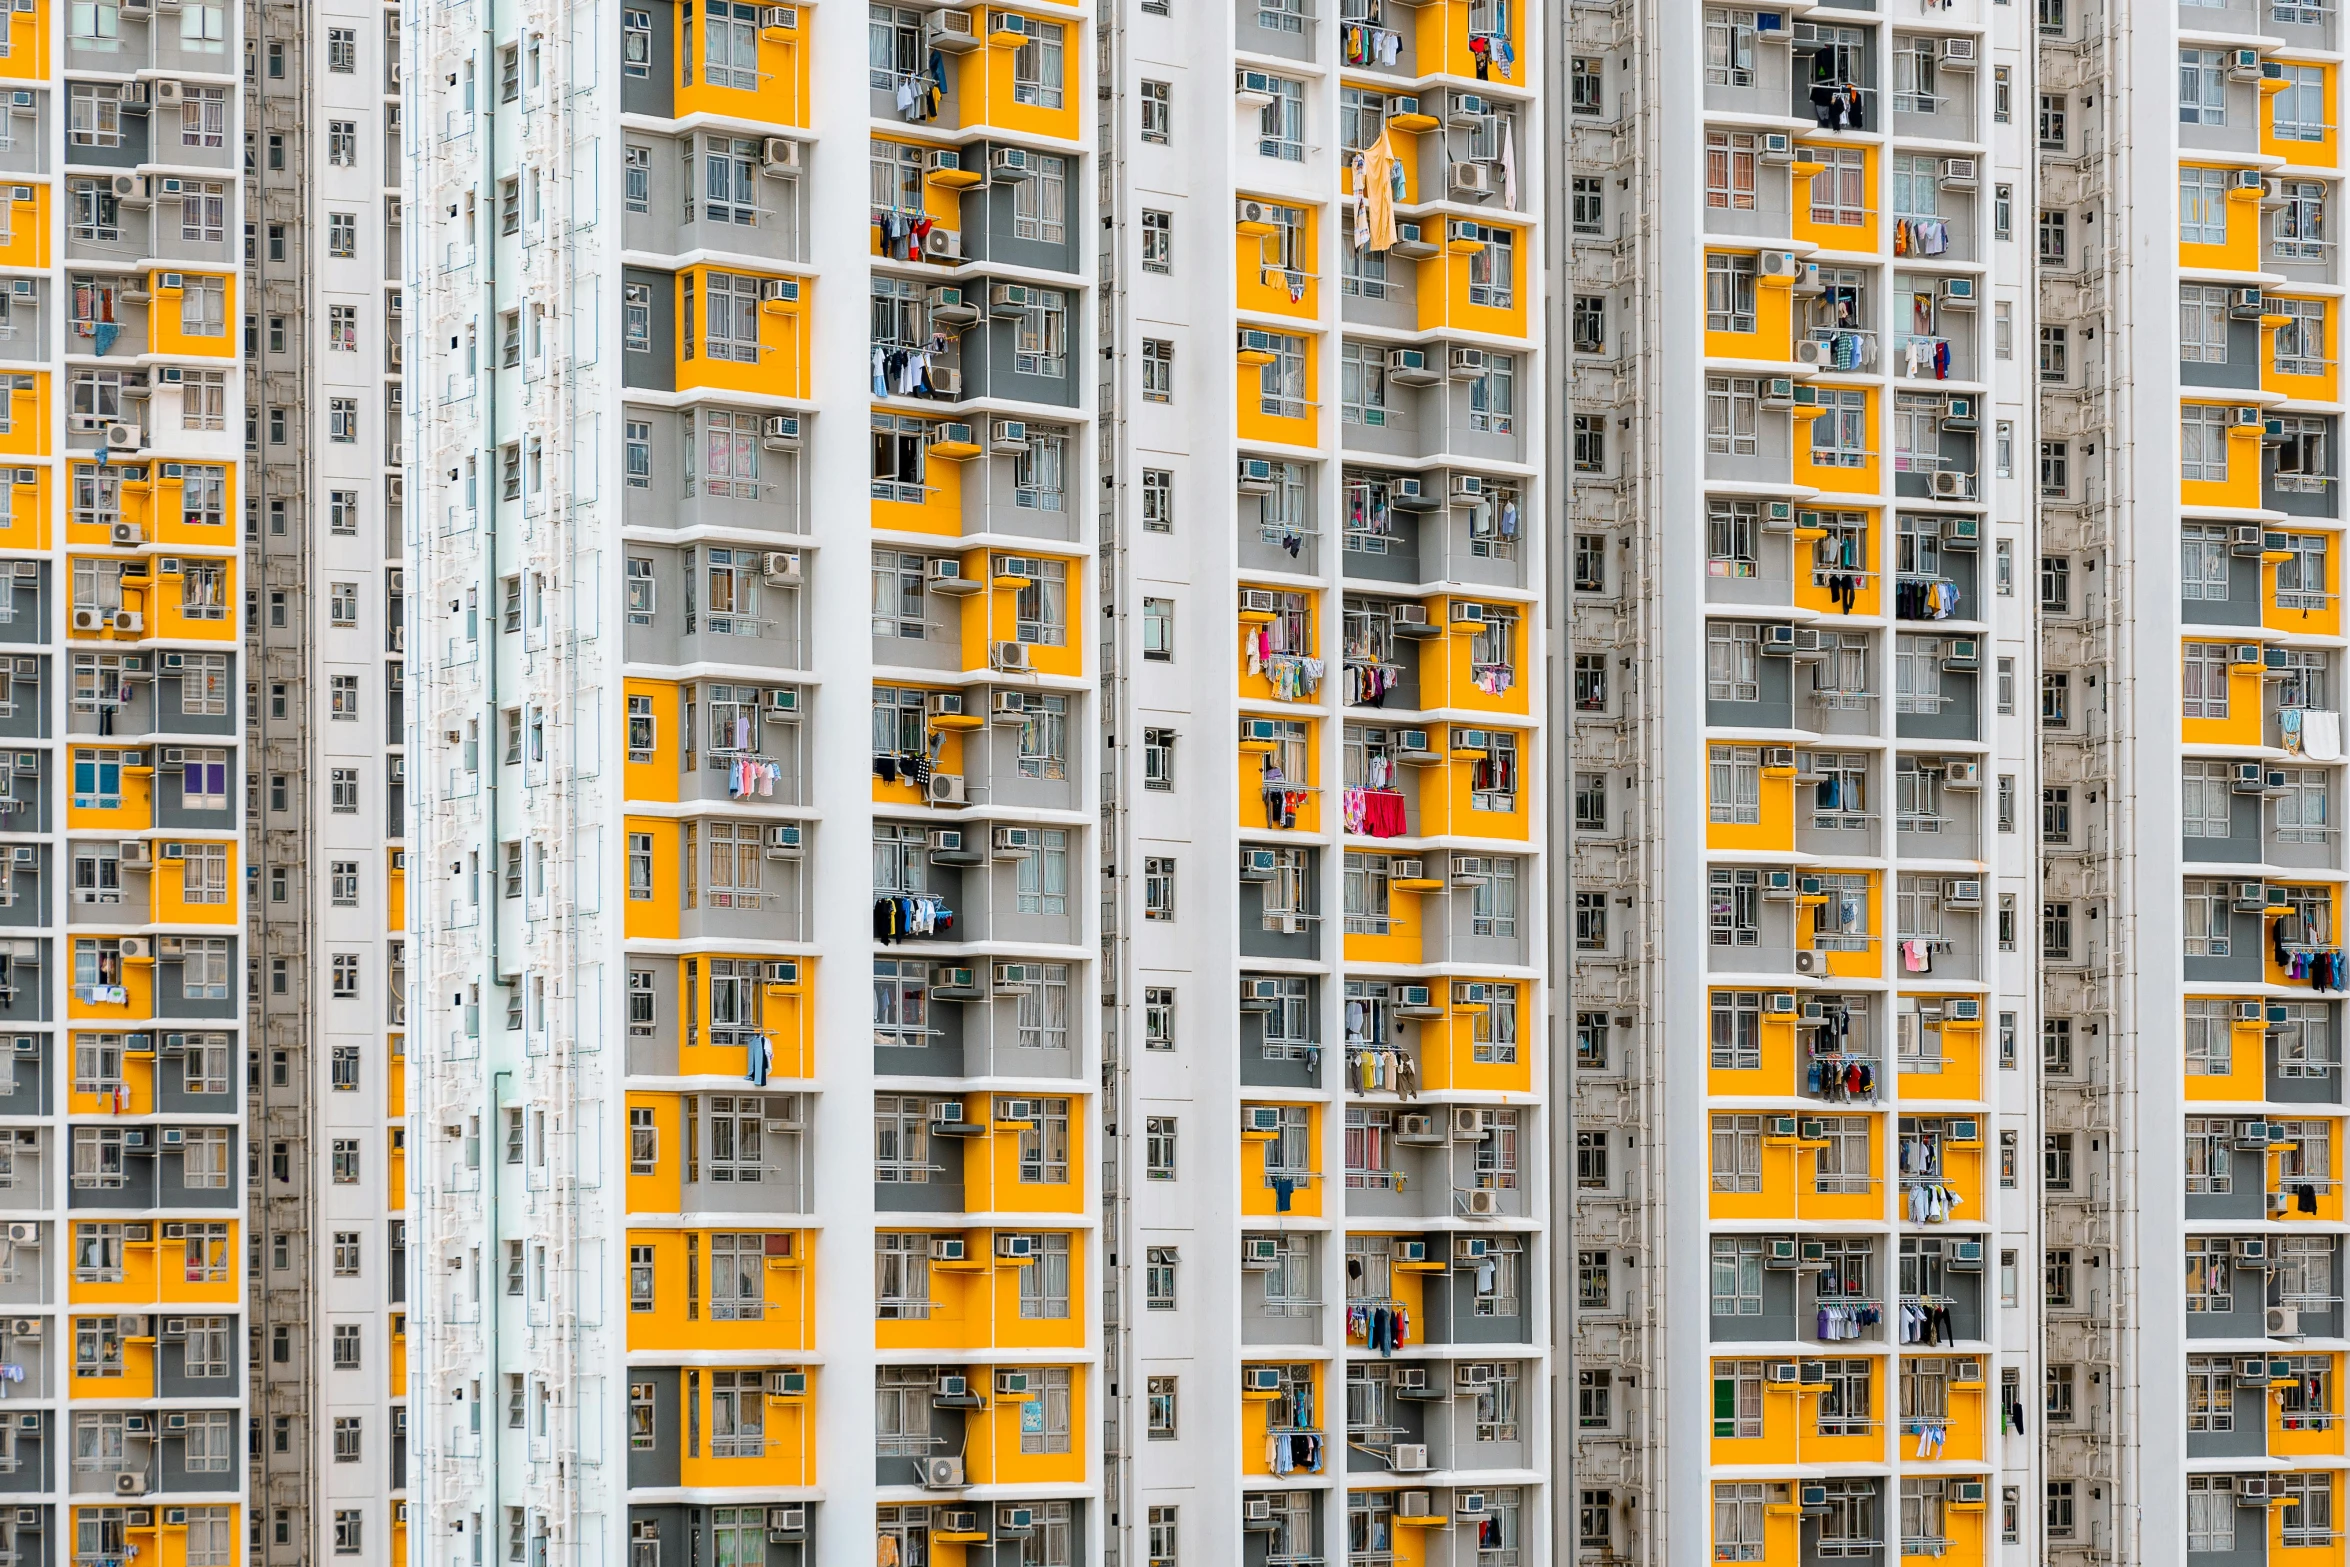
(920,914)
(2321,735)
(1382,174)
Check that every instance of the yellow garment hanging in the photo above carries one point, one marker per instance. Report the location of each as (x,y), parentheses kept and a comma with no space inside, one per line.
(1379,190)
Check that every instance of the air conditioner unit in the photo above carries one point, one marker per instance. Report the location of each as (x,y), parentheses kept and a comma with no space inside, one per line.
(1256,477)
(1410,244)
(781,568)
(1465,364)
(1958,54)
(943,245)
(1820,355)
(780,432)
(949,31)
(947,789)
(1009,436)
(2281,1322)
(1810,961)
(124,437)
(1410,1458)
(1009,656)
(1481,1203)
(1948,484)
(946,1248)
(1011,163)
(1263,1119)
(126,534)
(1409,367)
(2244,65)
(1958,291)
(783,841)
(1958,174)
(942,1474)
(1473,178)
(1777,264)
(1778,147)
(779,155)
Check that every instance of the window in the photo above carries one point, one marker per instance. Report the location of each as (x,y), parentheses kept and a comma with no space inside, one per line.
(1737,1153)
(1732,415)
(1158,370)
(2054,352)
(2211,1499)
(2298,230)
(2052,238)
(2203,444)
(1158,241)
(94,110)
(1281,124)
(1734,791)
(1158,887)
(2052,127)
(1037,65)
(1730,160)
(1040,208)
(2300,339)
(1729,293)
(2203,323)
(2203,87)
(1739,1510)
(1493,396)
(1733,660)
(2308,1510)
(2055,469)
(1158,112)
(1158,630)
(1585,93)
(2204,682)
(2203,562)
(2203,204)
(2302,464)
(2210,1279)
(1587,315)
(1587,202)
(2208,926)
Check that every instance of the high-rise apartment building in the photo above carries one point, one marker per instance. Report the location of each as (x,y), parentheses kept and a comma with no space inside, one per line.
(1800,560)
(1216,577)
(123,892)
(1325,292)
(323,785)
(2190,494)
(1682,516)
(756,1095)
